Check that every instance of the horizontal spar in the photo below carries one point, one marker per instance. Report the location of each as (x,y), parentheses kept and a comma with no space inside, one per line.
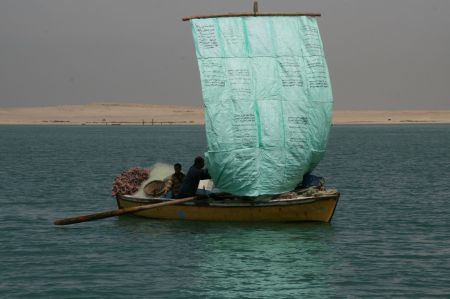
(258,14)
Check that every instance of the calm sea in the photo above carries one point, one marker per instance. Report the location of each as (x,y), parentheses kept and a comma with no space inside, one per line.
(390,235)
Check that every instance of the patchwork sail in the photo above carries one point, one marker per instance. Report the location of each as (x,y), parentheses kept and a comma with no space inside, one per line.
(267,100)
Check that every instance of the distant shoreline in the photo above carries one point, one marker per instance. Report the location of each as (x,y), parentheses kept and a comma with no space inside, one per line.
(149,114)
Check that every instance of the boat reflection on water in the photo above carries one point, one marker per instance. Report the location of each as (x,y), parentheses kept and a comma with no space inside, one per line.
(224,259)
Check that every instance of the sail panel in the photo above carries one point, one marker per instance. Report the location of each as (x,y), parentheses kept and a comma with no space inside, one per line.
(268,100)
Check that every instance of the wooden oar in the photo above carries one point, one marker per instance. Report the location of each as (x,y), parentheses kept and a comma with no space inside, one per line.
(118,212)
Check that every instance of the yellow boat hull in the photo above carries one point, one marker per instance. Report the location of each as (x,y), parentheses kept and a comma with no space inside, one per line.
(320,208)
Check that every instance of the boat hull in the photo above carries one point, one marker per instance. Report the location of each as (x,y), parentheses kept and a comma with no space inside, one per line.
(300,209)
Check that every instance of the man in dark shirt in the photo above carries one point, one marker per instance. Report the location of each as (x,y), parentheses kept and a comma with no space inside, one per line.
(193,177)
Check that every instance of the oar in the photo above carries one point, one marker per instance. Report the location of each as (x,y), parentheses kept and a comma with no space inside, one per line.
(118,212)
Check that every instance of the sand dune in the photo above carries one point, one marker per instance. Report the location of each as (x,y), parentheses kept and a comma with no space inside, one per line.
(102,113)
(124,113)
(391,117)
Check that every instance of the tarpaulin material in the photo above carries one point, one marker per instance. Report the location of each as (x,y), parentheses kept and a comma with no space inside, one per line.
(267,98)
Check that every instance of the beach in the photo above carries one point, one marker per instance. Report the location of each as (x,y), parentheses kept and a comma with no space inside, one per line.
(148,114)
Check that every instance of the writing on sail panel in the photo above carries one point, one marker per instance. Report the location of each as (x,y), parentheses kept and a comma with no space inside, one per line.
(212,73)
(244,128)
(316,74)
(297,126)
(290,72)
(240,83)
(206,36)
(312,42)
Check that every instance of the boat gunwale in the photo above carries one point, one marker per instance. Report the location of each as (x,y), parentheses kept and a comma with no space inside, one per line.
(236,204)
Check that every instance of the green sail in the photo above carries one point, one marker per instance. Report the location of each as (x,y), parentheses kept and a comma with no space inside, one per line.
(267,98)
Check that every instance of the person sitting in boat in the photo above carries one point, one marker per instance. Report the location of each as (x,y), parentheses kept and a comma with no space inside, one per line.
(193,177)
(173,184)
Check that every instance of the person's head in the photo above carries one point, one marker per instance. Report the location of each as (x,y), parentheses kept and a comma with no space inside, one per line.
(199,162)
(177,167)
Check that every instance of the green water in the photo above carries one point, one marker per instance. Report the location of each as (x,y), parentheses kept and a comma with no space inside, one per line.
(390,235)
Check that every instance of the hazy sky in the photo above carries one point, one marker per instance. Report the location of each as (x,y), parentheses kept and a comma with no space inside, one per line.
(383,54)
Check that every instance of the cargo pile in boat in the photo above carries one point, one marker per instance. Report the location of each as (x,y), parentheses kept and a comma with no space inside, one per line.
(128,182)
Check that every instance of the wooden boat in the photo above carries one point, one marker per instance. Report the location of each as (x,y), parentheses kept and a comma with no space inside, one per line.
(238,121)
(317,207)
(250,126)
